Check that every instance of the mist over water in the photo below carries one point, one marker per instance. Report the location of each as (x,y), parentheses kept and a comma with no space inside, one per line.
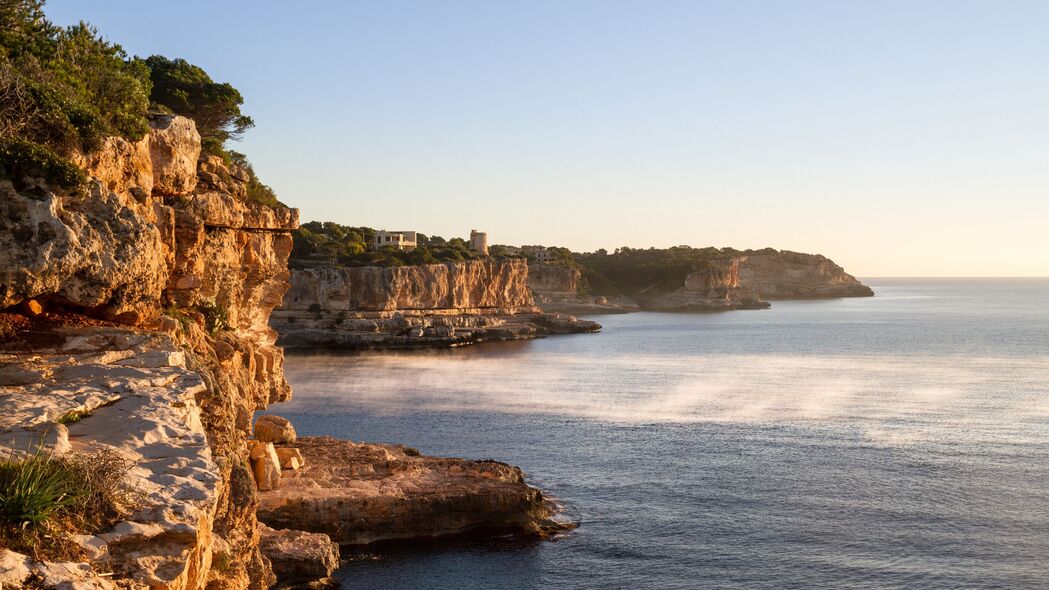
(887,442)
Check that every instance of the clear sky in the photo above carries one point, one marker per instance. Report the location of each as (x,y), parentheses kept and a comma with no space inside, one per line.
(900,138)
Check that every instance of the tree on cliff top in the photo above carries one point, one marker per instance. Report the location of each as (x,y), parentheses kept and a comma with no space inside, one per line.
(188,90)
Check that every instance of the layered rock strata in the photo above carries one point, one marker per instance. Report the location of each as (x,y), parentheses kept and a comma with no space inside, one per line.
(450,304)
(793,275)
(359,493)
(145,300)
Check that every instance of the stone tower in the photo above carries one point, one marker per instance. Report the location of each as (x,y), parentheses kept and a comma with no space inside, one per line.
(479,242)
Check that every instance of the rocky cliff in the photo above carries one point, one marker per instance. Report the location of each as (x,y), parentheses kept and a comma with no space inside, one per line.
(742,282)
(446,304)
(715,288)
(143,305)
(793,275)
(559,289)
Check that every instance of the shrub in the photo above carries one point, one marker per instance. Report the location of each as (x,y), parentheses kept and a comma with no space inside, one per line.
(21,159)
(257,192)
(66,88)
(215,317)
(188,90)
(73,416)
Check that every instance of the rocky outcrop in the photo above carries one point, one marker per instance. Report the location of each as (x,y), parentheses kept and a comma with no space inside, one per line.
(150,302)
(298,556)
(559,289)
(715,288)
(363,493)
(450,304)
(174,148)
(137,397)
(793,275)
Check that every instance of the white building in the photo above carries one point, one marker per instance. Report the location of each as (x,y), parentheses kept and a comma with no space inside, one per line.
(401,240)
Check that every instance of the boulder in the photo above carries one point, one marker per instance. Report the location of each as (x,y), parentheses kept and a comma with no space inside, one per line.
(274,429)
(298,556)
(174,148)
(290,458)
(266,466)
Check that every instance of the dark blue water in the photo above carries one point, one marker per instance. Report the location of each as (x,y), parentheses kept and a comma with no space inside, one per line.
(900,441)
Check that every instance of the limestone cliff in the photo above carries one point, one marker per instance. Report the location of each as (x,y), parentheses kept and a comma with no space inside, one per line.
(486,284)
(793,275)
(145,303)
(561,289)
(446,304)
(714,288)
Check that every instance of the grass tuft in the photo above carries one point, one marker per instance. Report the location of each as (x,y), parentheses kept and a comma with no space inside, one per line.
(44,498)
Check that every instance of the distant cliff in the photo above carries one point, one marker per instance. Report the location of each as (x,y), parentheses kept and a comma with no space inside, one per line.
(715,288)
(446,304)
(661,280)
(793,275)
(486,284)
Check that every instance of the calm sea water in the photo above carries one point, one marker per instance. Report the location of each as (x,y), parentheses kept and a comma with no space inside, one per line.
(900,441)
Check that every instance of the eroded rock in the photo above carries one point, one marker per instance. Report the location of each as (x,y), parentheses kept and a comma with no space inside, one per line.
(174,148)
(362,493)
(274,429)
(299,556)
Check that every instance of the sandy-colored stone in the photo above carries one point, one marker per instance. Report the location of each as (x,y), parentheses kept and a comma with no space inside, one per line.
(714,288)
(361,493)
(174,147)
(31,308)
(793,275)
(267,467)
(274,429)
(451,304)
(14,569)
(298,556)
(89,251)
(290,457)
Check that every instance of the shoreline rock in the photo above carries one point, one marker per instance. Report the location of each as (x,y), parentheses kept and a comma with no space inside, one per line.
(361,493)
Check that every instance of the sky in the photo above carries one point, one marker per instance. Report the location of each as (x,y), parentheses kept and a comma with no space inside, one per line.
(899,138)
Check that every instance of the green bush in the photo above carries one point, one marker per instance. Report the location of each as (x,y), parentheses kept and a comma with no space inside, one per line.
(66,88)
(257,192)
(188,90)
(216,319)
(20,159)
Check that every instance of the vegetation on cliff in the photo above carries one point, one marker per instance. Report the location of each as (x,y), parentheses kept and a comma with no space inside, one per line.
(45,498)
(65,89)
(328,243)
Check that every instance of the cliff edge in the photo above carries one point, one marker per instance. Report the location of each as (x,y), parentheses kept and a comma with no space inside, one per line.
(141,328)
(447,304)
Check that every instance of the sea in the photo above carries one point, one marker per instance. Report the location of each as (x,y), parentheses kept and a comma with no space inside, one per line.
(895,441)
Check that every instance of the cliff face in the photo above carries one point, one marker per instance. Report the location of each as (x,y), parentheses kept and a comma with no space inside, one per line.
(715,288)
(793,275)
(483,284)
(557,289)
(148,303)
(448,304)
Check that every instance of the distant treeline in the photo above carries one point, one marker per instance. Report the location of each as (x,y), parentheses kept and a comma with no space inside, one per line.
(626,271)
